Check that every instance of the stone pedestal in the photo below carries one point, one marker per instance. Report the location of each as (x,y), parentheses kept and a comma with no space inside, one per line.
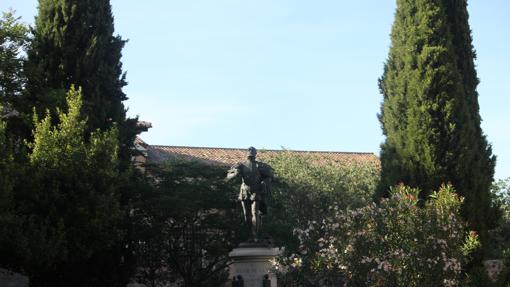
(252,263)
(12,279)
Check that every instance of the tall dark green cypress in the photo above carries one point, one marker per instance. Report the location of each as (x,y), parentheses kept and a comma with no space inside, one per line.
(430,113)
(74,44)
(474,172)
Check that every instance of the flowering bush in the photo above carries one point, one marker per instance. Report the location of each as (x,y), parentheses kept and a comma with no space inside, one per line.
(394,243)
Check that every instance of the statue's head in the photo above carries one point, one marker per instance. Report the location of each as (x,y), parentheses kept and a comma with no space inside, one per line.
(252,152)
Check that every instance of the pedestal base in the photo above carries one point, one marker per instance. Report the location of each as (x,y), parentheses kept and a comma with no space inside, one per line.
(253,263)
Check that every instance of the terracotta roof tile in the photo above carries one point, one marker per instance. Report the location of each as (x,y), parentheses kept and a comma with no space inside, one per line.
(231,156)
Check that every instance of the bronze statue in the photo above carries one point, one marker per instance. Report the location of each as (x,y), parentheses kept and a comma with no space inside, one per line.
(256,184)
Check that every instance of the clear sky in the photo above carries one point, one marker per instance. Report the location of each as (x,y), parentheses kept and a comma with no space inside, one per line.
(281,73)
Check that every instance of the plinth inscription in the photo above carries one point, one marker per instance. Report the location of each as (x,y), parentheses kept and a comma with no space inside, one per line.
(252,264)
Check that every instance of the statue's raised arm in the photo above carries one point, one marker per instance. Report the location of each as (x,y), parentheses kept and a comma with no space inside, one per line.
(233,172)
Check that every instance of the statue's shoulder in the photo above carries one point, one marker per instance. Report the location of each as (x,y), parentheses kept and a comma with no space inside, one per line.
(264,167)
(237,165)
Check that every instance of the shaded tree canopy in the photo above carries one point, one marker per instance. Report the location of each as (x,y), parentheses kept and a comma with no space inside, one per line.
(186,225)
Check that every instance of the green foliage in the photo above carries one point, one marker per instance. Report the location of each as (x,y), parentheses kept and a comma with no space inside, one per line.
(186,225)
(11,240)
(395,243)
(74,44)
(305,187)
(6,168)
(74,210)
(13,44)
(70,204)
(430,114)
(501,201)
(500,236)
(501,197)
(13,40)
(350,183)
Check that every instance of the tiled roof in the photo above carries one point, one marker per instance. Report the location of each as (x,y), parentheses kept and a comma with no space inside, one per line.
(231,156)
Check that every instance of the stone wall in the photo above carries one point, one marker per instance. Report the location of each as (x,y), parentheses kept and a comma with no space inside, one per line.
(12,279)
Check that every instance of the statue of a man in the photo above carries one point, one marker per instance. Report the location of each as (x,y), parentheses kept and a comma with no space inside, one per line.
(256,184)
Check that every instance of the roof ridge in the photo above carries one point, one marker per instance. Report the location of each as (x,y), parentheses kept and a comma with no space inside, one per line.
(262,150)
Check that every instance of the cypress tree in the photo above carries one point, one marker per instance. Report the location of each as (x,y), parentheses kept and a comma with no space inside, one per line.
(474,173)
(430,114)
(74,44)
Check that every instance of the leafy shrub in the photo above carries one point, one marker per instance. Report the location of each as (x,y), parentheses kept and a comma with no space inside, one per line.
(305,187)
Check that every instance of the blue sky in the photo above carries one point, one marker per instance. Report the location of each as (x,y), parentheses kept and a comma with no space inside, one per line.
(281,73)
